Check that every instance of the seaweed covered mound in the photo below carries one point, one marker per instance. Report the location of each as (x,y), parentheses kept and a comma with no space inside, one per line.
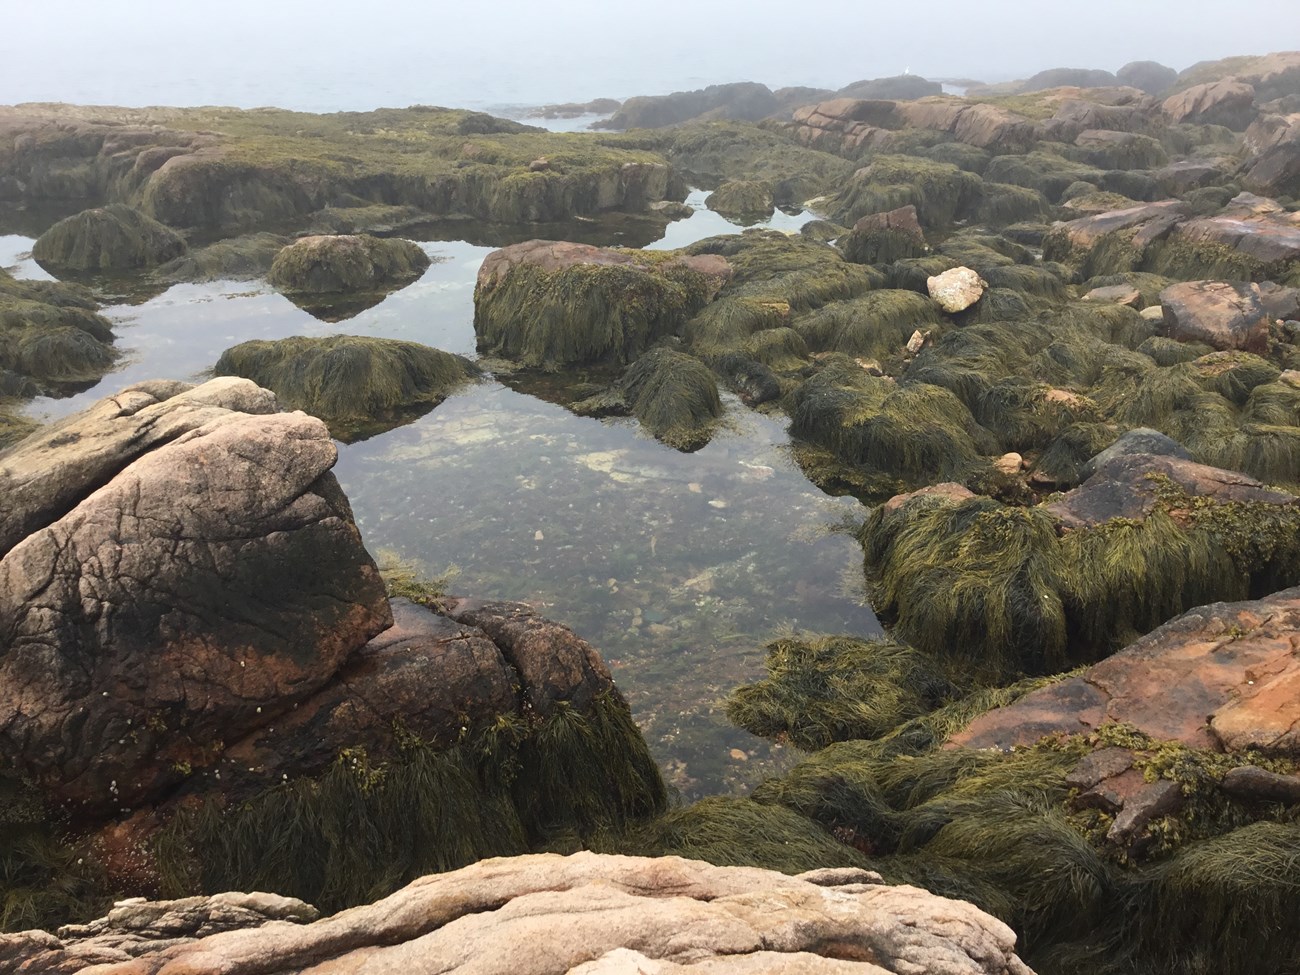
(51,338)
(745,201)
(346,263)
(674,395)
(550,303)
(357,385)
(111,238)
(1137,836)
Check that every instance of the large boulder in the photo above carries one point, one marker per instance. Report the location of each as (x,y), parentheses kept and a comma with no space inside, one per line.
(178,568)
(1072,77)
(1222,677)
(346,263)
(550,303)
(585,914)
(882,238)
(848,126)
(1228,103)
(1221,314)
(111,238)
(358,385)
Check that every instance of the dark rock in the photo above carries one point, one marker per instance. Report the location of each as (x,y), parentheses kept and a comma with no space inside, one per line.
(902,87)
(1150,76)
(1153,800)
(1255,784)
(1221,314)
(1068,77)
(1276,172)
(746,101)
(1141,440)
(1112,793)
(1104,763)
(1123,488)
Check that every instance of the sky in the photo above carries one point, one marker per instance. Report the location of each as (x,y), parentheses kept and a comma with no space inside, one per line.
(324,55)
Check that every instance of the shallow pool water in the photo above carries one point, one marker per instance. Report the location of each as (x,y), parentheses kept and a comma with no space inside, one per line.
(679,567)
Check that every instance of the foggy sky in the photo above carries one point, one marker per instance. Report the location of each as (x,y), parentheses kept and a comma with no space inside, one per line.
(326,54)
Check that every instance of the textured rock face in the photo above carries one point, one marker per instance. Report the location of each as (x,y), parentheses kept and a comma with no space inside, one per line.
(549,915)
(1219,313)
(956,289)
(107,238)
(1122,487)
(175,572)
(742,199)
(1224,676)
(1230,103)
(847,126)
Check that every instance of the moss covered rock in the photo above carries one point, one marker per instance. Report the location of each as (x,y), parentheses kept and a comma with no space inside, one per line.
(551,304)
(674,395)
(346,264)
(51,339)
(745,201)
(357,385)
(236,259)
(111,238)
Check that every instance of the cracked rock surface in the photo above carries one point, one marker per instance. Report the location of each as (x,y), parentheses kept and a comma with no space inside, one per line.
(178,567)
(537,915)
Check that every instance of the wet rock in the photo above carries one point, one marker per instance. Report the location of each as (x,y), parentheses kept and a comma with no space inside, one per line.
(671,209)
(1116,294)
(131,532)
(1109,149)
(600,915)
(742,200)
(1182,177)
(1112,793)
(1255,784)
(1221,314)
(1266,240)
(1221,676)
(882,238)
(1142,440)
(346,263)
(1227,103)
(1142,225)
(1124,488)
(1147,803)
(1150,76)
(111,238)
(358,385)
(956,289)
(1097,766)
(548,303)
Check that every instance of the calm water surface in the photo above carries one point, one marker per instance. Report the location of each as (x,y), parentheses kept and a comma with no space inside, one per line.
(679,567)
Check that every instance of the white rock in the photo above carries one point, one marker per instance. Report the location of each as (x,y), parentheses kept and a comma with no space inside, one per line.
(956,289)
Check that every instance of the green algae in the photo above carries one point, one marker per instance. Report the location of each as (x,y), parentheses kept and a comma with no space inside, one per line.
(355,384)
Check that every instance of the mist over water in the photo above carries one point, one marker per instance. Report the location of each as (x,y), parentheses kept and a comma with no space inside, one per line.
(321,56)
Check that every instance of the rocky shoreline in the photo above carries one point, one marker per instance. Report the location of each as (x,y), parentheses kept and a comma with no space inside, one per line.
(1049,332)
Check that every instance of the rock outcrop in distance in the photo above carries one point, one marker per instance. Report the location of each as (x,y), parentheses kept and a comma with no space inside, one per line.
(586,914)
(234,171)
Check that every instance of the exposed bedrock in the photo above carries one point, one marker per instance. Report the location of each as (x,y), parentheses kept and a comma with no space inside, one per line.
(586,914)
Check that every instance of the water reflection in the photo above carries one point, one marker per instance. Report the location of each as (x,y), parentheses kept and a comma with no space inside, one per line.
(678,567)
